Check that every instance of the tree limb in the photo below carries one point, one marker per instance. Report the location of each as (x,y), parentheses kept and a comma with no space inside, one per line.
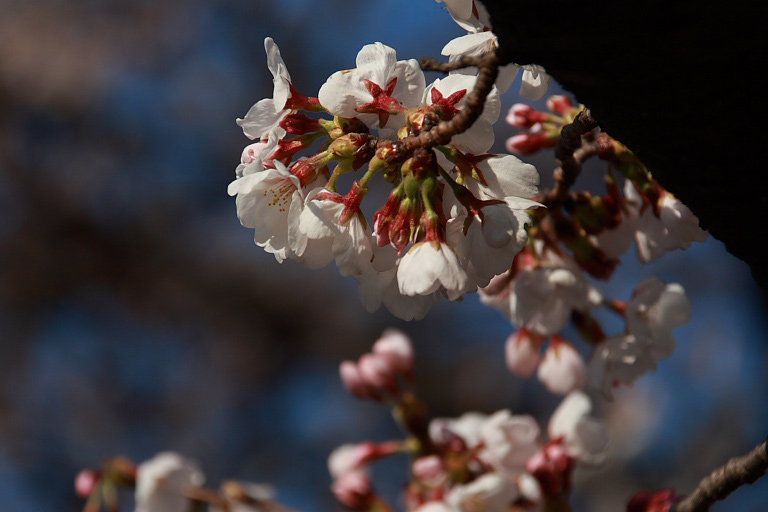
(723,481)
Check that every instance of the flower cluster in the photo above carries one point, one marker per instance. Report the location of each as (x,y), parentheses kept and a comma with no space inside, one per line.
(455,216)
(582,235)
(473,463)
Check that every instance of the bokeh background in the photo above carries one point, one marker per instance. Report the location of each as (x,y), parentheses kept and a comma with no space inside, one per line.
(136,315)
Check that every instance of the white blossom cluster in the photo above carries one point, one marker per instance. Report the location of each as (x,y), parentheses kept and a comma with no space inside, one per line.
(456,216)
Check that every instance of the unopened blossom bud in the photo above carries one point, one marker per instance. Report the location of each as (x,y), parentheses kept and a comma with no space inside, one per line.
(351,125)
(430,470)
(350,457)
(86,481)
(347,145)
(562,370)
(522,115)
(299,124)
(559,104)
(522,353)
(647,501)
(353,381)
(397,347)
(378,371)
(528,143)
(353,490)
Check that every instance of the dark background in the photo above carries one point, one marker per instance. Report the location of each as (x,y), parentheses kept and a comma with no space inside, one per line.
(136,315)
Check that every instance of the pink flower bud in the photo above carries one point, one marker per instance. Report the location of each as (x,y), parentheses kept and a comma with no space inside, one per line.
(378,371)
(86,481)
(522,115)
(647,501)
(559,104)
(397,346)
(527,143)
(522,351)
(351,457)
(562,370)
(353,490)
(353,381)
(430,470)
(299,124)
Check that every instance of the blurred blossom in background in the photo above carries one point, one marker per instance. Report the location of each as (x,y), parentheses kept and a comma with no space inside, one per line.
(136,315)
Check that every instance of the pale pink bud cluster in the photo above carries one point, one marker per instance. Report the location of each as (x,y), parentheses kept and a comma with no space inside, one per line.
(542,129)
(376,374)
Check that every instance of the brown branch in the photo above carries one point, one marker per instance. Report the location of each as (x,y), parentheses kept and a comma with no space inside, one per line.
(723,481)
(465,61)
(570,154)
(488,65)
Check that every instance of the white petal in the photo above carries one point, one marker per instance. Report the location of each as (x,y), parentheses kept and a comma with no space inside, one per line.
(535,82)
(343,92)
(261,119)
(470,44)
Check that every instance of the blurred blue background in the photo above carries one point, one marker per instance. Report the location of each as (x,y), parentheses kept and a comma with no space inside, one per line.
(136,315)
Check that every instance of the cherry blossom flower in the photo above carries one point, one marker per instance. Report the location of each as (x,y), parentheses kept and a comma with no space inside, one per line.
(655,309)
(681,224)
(268,202)
(467,427)
(161,483)
(471,15)
(256,155)
(535,80)
(459,9)
(583,437)
(488,246)
(619,361)
(543,298)
(488,493)
(378,88)
(378,285)
(266,115)
(327,217)
(450,94)
(429,267)
(509,441)
(562,370)
(674,228)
